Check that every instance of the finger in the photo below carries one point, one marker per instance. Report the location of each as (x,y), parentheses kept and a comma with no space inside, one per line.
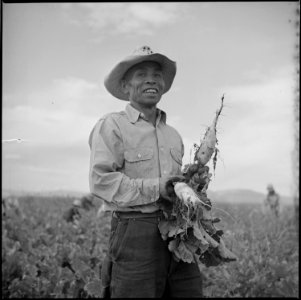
(175,179)
(179,178)
(169,189)
(191,170)
(204,169)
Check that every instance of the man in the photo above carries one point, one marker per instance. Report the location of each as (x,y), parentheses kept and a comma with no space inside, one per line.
(72,215)
(135,156)
(272,200)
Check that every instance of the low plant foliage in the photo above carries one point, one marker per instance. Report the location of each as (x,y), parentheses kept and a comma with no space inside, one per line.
(43,256)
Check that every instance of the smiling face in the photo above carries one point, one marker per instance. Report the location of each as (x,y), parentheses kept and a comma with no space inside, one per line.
(144,84)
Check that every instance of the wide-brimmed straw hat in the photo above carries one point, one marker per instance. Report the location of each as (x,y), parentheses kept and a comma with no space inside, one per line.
(113,79)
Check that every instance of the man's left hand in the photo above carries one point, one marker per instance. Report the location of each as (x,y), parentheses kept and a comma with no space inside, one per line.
(166,186)
(197,175)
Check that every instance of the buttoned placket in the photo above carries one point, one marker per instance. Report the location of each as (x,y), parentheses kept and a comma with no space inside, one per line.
(160,149)
(159,155)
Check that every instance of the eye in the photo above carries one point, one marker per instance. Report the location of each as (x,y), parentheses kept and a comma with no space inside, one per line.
(140,74)
(158,75)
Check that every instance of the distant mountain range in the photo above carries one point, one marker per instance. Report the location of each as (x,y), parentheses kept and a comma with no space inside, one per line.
(229,196)
(242,196)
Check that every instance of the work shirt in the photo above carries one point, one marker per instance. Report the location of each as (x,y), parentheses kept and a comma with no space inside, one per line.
(129,155)
(272,199)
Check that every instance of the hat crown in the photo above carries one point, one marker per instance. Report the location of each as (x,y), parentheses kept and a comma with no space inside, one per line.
(144,50)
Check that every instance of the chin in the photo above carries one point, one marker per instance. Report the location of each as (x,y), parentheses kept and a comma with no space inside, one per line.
(153,98)
(152,102)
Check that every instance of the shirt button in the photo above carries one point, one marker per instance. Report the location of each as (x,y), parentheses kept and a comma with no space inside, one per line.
(139,155)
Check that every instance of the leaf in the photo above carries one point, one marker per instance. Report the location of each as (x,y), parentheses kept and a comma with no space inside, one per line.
(172,246)
(200,245)
(191,247)
(184,253)
(31,270)
(226,274)
(82,269)
(164,228)
(208,292)
(175,231)
(210,259)
(44,269)
(79,265)
(225,252)
(288,288)
(172,232)
(94,288)
(280,271)
(66,274)
(198,233)
(168,228)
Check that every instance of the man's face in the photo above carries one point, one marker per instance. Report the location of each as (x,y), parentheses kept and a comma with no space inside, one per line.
(144,84)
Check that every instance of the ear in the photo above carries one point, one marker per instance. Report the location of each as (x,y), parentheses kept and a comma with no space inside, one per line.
(124,87)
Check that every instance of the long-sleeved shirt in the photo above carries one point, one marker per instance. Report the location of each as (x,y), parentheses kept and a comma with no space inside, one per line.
(129,155)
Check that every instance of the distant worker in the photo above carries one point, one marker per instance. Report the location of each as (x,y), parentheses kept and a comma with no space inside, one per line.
(72,215)
(86,202)
(272,201)
(89,202)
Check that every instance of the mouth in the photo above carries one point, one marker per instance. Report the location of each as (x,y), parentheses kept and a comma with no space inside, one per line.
(151,91)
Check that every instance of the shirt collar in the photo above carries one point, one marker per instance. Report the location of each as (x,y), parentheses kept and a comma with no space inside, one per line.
(134,114)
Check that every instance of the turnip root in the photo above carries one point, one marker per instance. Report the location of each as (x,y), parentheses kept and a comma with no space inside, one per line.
(209,142)
(187,194)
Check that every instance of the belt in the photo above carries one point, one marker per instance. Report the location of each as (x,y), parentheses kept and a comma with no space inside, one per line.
(136,214)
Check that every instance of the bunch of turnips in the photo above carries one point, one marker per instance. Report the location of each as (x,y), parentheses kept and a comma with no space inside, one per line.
(189,226)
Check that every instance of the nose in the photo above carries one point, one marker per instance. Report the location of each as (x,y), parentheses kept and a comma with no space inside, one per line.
(150,80)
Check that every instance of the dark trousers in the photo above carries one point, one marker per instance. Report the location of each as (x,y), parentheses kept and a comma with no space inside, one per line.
(139,264)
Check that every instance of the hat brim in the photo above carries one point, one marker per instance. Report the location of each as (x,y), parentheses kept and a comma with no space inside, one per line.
(113,81)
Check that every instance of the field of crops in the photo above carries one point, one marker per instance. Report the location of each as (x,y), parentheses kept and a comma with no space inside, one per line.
(43,256)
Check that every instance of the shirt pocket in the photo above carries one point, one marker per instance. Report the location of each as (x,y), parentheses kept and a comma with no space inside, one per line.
(139,162)
(176,160)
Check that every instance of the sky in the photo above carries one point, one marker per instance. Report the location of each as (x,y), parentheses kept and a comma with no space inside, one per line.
(56,55)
